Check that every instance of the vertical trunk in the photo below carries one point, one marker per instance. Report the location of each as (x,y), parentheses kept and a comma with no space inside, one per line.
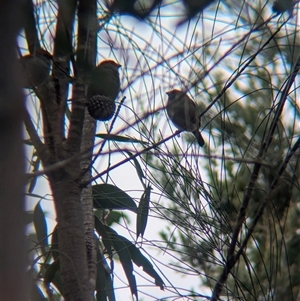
(72,215)
(71,236)
(87,50)
(65,181)
(86,196)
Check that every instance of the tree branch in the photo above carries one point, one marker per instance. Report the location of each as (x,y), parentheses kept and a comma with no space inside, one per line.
(41,148)
(82,134)
(29,24)
(231,259)
(63,52)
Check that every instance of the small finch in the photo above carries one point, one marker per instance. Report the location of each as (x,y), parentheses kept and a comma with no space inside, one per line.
(184,114)
(35,68)
(104,80)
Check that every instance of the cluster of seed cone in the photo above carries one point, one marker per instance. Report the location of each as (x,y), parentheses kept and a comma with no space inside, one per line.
(101,107)
(103,82)
(103,89)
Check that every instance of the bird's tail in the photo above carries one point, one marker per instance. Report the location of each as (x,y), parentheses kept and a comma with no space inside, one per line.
(199,138)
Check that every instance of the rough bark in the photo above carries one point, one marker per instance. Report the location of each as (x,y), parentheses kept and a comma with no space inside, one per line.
(65,180)
(71,237)
(87,41)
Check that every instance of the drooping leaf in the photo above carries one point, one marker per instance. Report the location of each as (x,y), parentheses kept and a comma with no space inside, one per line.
(143,211)
(102,232)
(100,295)
(127,251)
(104,285)
(54,244)
(107,196)
(110,288)
(137,166)
(125,259)
(40,226)
(118,138)
(115,217)
(50,274)
(100,280)
(140,260)
(57,282)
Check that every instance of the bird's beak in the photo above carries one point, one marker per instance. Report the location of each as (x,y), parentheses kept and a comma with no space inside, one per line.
(168,93)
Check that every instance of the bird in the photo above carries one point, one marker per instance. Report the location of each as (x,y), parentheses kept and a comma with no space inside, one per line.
(281,6)
(35,68)
(183,113)
(193,7)
(104,80)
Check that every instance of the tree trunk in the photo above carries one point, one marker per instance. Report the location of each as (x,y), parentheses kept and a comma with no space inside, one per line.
(71,234)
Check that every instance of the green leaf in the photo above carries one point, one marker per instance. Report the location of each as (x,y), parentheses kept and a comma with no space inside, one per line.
(104,285)
(140,260)
(100,280)
(127,251)
(107,196)
(40,226)
(51,271)
(54,244)
(102,232)
(125,259)
(57,282)
(137,166)
(143,211)
(118,138)
(115,217)
(110,288)
(52,275)
(100,295)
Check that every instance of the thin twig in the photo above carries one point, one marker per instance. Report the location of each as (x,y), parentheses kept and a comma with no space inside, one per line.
(265,202)
(40,147)
(231,259)
(240,70)
(129,158)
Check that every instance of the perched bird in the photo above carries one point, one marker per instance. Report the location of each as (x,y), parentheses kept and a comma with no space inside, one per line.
(104,80)
(103,89)
(184,114)
(281,6)
(193,7)
(35,68)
